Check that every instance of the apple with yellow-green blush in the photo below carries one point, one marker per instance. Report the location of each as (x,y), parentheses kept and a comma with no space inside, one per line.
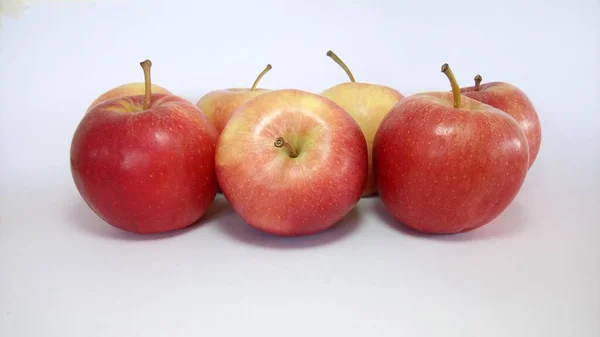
(219,105)
(368,104)
(128,89)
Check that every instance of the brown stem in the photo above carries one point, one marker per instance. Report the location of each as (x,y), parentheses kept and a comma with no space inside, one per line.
(146,65)
(341,64)
(280,142)
(260,76)
(478,80)
(455,88)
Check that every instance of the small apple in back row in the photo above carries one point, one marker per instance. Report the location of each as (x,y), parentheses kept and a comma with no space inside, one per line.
(145,163)
(219,105)
(127,89)
(291,163)
(446,163)
(367,103)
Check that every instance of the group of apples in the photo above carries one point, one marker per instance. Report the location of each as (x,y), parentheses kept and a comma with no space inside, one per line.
(294,163)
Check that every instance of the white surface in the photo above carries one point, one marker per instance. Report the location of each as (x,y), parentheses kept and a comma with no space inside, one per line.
(532,272)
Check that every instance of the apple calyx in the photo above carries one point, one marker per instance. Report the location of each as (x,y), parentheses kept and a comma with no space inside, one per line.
(478,80)
(146,65)
(280,142)
(455,87)
(266,70)
(341,64)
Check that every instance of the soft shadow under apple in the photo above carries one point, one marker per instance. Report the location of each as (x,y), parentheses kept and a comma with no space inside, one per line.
(234,227)
(86,221)
(511,222)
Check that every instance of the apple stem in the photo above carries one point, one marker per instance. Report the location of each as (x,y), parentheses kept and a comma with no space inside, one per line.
(341,64)
(478,80)
(280,142)
(455,88)
(146,65)
(266,70)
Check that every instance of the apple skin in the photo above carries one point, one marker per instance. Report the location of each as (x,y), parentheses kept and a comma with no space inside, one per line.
(286,196)
(512,100)
(128,89)
(368,104)
(145,171)
(219,105)
(445,170)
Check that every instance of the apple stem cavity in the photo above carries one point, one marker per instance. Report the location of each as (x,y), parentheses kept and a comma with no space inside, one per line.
(455,88)
(146,65)
(266,70)
(280,142)
(341,64)
(478,80)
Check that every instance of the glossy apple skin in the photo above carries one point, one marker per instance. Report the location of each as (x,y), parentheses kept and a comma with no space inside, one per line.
(512,100)
(287,196)
(368,104)
(145,171)
(128,89)
(447,170)
(219,105)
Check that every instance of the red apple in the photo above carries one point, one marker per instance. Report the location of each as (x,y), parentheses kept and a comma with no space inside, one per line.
(512,100)
(219,105)
(145,163)
(446,163)
(291,162)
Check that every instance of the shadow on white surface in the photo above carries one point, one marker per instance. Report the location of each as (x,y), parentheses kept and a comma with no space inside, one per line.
(511,222)
(221,215)
(234,227)
(86,221)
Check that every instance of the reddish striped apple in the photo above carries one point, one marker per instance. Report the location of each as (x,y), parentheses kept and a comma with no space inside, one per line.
(512,100)
(291,163)
(145,163)
(446,163)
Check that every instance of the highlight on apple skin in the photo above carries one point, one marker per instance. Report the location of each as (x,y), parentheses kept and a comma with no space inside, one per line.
(291,163)
(145,163)
(446,163)
(367,103)
(512,100)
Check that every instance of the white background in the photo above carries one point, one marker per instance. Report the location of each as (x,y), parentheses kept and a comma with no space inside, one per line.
(534,271)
